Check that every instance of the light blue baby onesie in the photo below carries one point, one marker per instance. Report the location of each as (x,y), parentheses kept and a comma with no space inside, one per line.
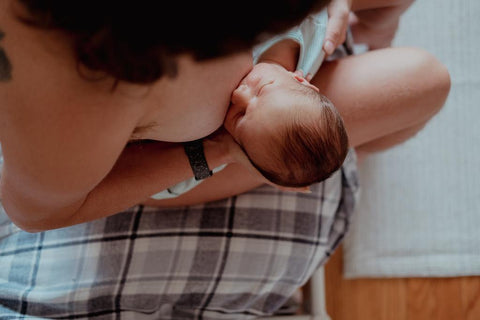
(309,35)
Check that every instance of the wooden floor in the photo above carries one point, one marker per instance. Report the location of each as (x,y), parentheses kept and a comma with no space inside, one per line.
(400,298)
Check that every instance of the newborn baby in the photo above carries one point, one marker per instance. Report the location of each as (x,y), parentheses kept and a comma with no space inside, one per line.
(291,133)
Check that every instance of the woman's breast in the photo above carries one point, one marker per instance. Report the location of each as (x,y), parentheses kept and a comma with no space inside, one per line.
(193,104)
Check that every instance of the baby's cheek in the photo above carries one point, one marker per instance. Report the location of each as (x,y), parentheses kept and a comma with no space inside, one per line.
(227,123)
(230,121)
(235,134)
(237,130)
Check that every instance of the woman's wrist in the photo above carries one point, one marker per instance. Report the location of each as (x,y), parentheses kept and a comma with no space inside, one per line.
(218,149)
(221,146)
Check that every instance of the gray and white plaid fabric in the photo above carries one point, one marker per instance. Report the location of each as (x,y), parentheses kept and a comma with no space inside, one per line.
(239,258)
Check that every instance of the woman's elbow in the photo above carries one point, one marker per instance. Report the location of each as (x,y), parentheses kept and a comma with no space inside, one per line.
(21,220)
(30,228)
(29,216)
(24,220)
(26,223)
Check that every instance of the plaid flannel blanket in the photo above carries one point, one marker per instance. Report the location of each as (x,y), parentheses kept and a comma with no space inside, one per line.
(239,258)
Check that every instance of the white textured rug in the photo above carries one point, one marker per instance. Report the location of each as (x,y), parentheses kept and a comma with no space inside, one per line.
(419,212)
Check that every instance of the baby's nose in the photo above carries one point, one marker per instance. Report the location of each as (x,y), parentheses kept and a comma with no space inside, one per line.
(241,95)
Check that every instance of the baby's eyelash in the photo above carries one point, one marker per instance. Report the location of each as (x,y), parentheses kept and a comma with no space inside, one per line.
(266,84)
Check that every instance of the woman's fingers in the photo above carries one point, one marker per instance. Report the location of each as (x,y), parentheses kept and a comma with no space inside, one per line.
(338,21)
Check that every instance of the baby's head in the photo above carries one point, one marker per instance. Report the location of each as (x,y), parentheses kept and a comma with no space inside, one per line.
(290,132)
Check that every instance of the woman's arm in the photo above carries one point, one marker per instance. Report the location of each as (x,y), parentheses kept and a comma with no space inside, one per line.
(64,139)
(232,180)
(384,93)
(47,183)
(65,155)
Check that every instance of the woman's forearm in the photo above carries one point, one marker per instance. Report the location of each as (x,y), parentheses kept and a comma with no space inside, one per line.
(232,180)
(142,170)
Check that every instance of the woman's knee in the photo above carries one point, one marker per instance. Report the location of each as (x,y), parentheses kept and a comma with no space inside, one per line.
(431,78)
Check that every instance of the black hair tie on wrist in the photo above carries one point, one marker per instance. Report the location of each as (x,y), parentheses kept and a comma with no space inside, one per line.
(196,157)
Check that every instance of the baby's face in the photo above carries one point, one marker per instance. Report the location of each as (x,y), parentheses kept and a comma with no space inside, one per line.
(261,104)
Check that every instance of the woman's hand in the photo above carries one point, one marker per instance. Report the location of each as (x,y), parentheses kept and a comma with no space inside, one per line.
(338,22)
(232,151)
(376,26)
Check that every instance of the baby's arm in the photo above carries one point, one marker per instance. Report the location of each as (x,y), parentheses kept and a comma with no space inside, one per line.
(284,53)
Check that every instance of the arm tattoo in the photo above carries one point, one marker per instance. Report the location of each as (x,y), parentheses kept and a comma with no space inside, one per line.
(5,66)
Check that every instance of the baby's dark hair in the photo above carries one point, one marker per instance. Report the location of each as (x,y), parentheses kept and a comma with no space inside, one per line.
(137,41)
(308,149)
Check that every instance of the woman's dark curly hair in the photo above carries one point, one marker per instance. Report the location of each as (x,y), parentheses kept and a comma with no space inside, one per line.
(136,41)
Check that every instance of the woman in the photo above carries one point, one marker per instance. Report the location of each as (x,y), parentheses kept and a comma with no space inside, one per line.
(72,155)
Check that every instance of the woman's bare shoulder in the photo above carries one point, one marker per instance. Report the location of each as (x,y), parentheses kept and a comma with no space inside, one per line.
(40,79)
(56,129)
